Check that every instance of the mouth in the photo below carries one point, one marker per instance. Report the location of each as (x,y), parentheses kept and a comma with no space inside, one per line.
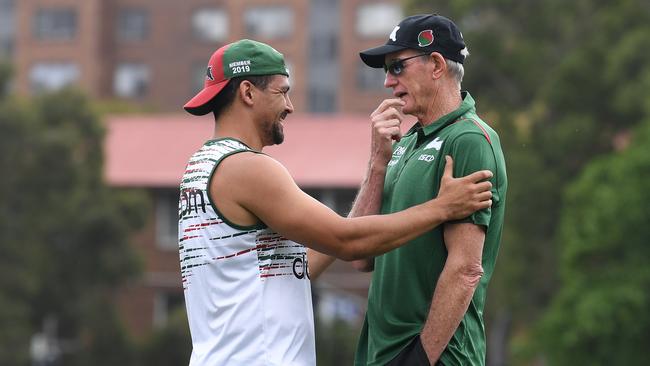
(399,94)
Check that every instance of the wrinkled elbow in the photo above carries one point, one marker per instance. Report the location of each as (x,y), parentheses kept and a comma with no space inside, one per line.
(471,275)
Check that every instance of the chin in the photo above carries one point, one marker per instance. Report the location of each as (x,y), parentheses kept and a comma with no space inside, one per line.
(407,109)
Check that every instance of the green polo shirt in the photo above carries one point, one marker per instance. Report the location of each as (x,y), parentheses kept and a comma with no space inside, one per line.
(404,279)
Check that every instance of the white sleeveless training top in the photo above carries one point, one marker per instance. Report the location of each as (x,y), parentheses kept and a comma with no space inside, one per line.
(247,289)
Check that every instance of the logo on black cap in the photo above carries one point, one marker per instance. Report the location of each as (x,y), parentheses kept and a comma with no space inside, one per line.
(393,34)
(425,38)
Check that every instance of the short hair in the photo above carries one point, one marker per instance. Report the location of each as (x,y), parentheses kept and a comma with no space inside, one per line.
(224,99)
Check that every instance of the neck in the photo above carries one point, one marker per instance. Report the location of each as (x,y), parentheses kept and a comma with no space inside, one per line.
(442,103)
(239,126)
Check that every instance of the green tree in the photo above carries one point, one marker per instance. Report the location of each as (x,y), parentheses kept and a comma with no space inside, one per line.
(63,233)
(171,345)
(600,315)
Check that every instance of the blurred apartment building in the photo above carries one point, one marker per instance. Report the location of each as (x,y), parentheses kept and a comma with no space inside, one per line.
(7,28)
(154,53)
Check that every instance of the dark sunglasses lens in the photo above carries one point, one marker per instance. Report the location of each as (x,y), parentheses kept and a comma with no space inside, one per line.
(394,68)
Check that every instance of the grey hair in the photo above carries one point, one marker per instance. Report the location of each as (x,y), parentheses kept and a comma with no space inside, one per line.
(456,69)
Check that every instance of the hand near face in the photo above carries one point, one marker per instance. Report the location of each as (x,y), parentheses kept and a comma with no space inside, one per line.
(386,121)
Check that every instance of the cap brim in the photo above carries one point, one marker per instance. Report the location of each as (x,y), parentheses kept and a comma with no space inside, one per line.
(200,104)
(374,57)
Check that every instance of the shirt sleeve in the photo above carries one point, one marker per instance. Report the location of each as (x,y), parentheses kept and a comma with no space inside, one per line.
(472,152)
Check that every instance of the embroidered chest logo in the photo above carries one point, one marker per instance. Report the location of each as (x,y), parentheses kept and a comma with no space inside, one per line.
(397,154)
(435,144)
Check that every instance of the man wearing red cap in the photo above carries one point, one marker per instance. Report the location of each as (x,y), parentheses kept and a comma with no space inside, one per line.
(241,217)
(426,299)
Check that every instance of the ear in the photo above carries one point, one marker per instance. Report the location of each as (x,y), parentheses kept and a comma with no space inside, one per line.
(439,65)
(246,92)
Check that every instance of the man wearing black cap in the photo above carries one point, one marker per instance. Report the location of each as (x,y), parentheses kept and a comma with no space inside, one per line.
(242,217)
(426,299)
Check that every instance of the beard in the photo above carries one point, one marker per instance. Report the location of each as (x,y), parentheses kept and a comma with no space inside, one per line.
(278,133)
(275,133)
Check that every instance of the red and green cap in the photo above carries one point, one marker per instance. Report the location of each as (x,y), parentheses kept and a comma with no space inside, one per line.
(242,58)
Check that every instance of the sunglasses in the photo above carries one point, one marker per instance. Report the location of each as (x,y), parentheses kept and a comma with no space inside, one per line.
(396,67)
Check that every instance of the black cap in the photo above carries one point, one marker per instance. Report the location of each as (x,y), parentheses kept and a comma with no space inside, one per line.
(426,32)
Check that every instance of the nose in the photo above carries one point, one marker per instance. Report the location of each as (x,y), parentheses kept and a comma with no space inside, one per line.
(390,80)
(288,105)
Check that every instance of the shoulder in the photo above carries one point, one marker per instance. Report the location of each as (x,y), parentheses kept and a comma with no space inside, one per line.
(252,165)
(471,128)
(252,175)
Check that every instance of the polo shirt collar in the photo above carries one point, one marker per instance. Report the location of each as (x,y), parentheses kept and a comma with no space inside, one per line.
(467,105)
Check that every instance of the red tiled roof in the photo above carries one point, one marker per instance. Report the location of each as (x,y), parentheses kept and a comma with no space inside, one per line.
(318,151)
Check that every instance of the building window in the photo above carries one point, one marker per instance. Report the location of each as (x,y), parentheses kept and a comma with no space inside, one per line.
(131,80)
(324,47)
(377,20)
(55,24)
(322,100)
(369,78)
(49,76)
(210,24)
(132,25)
(269,21)
(167,219)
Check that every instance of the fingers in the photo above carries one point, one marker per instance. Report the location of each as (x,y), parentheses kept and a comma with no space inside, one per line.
(475,177)
(387,119)
(389,129)
(389,111)
(479,176)
(483,186)
(387,103)
(388,114)
(484,204)
(484,196)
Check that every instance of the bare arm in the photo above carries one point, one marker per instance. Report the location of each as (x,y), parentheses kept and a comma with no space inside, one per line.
(455,287)
(265,190)
(318,263)
(368,202)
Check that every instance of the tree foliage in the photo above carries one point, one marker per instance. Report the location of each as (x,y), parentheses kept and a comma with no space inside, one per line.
(63,233)
(600,314)
(170,345)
